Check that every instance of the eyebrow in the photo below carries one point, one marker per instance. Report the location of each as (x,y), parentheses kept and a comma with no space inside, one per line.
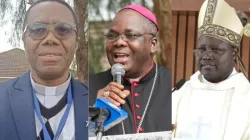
(53,22)
(126,31)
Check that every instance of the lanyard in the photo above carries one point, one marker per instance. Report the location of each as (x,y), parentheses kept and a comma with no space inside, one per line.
(63,119)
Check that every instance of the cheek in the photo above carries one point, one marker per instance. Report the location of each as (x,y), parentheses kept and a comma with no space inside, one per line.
(69,46)
(108,47)
(227,58)
(138,47)
(197,60)
(31,47)
(226,62)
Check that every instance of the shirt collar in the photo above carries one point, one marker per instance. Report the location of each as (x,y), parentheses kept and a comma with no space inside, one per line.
(207,82)
(50,91)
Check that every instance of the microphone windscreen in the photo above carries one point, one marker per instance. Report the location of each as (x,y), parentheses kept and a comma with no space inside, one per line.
(117,69)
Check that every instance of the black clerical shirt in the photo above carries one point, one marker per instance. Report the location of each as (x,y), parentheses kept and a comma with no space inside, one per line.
(158,116)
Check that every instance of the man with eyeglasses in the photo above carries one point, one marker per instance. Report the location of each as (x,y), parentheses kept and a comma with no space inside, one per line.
(46,103)
(146,89)
(215,103)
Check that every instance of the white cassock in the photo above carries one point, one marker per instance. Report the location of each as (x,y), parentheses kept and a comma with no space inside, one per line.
(212,111)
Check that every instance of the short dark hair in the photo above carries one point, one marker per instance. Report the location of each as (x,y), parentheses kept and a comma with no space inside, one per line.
(59,1)
(151,27)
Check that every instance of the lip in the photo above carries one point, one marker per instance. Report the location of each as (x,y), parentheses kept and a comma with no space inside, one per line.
(50,58)
(50,54)
(207,66)
(120,57)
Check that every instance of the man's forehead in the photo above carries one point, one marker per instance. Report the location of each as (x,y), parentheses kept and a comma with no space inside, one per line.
(128,13)
(50,12)
(129,19)
(211,41)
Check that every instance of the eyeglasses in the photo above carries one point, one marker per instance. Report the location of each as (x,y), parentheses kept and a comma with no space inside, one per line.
(125,37)
(200,52)
(39,31)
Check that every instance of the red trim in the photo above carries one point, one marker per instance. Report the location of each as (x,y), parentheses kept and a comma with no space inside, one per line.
(152,66)
(132,94)
(133,106)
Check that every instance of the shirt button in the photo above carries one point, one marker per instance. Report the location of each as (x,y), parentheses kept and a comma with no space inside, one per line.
(135,84)
(137,94)
(137,106)
(141,130)
(138,117)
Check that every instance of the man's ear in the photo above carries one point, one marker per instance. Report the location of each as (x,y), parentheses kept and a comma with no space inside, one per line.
(154,43)
(235,54)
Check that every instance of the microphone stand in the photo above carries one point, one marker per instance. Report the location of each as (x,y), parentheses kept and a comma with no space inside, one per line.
(99,131)
(99,120)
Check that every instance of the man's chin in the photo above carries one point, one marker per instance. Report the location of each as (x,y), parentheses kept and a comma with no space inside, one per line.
(210,77)
(50,74)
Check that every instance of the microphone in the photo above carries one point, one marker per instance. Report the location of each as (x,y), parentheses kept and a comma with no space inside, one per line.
(117,71)
(178,85)
(114,116)
(96,112)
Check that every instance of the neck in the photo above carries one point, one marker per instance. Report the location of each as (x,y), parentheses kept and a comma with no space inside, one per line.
(144,70)
(219,79)
(51,82)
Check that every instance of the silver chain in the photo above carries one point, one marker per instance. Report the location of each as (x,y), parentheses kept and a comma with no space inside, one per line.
(146,108)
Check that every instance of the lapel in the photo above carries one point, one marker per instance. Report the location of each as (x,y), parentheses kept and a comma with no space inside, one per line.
(80,97)
(22,106)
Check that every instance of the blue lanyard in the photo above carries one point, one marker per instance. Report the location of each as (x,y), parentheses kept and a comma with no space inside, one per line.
(62,121)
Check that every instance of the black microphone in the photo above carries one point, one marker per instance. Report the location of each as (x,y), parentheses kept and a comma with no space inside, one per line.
(178,85)
(99,116)
(117,71)
(96,112)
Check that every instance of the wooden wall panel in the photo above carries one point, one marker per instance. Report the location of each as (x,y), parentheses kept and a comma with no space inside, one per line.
(194,5)
(174,40)
(181,46)
(191,39)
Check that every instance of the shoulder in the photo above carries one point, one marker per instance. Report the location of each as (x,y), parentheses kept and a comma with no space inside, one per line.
(178,93)
(100,75)
(163,69)
(79,85)
(165,75)
(7,84)
(100,79)
(166,72)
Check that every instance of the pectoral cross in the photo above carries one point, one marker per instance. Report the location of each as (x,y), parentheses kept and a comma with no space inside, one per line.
(200,124)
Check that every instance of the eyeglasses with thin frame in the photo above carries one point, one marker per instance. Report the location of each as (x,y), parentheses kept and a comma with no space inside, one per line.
(126,37)
(200,52)
(39,31)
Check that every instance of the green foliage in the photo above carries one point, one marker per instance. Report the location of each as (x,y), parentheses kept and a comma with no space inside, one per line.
(73,73)
(111,7)
(96,46)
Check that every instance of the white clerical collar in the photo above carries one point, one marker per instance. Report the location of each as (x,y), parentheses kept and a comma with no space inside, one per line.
(136,79)
(207,82)
(50,91)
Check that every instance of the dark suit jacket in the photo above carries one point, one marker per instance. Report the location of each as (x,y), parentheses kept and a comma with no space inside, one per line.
(17,118)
